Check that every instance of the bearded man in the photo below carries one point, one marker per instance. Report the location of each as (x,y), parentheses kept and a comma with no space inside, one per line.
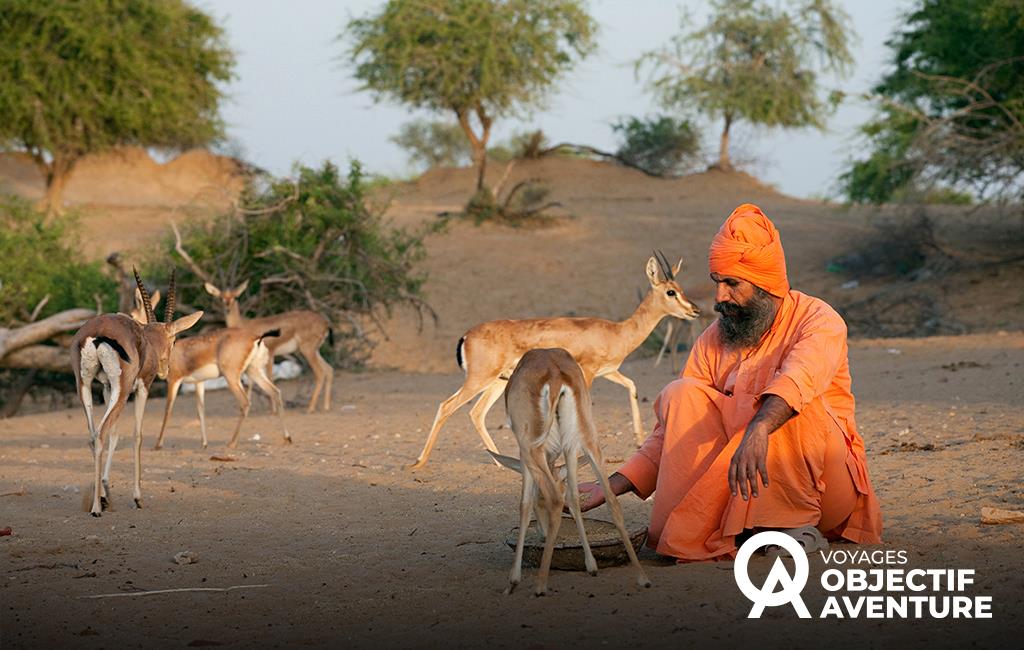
(758,432)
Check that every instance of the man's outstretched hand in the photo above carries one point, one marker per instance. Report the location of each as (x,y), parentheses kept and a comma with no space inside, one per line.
(591,494)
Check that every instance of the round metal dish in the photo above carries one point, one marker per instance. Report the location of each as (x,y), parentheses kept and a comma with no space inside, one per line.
(605,544)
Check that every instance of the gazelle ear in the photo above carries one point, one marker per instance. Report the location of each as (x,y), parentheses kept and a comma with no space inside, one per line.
(242,287)
(652,272)
(185,322)
(677,267)
(513,464)
(212,290)
(155,298)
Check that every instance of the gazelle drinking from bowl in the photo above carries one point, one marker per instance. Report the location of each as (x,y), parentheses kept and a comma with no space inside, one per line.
(548,403)
(490,351)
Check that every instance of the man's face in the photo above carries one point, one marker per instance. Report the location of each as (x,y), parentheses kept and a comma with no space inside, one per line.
(746,311)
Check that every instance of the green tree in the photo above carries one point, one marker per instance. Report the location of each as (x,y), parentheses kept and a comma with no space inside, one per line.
(660,145)
(433,143)
(474,58)
(755,62)
(951,109)
(81,76)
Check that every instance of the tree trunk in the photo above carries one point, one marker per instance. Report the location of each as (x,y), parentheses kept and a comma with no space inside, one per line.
(14,339)
(39,357)
(723,148)
(57,173)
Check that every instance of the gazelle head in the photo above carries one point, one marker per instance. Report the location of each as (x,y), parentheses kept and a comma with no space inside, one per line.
(228,297)
(138,312)
(160,336)
(666,293)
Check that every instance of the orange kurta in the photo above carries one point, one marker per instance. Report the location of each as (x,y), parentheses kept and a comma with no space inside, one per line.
(702,416)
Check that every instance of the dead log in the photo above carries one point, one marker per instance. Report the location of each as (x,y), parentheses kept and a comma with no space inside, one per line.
(20,337)
(38,357)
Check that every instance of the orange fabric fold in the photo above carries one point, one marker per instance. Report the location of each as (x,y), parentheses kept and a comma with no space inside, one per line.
(748,247)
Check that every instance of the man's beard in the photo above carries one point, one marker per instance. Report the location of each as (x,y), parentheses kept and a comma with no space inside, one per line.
(742,326)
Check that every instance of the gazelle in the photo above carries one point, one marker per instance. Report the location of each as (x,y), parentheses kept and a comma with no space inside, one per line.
(126,357)
(231,353)
(548,403)
(302,331)
(491,350)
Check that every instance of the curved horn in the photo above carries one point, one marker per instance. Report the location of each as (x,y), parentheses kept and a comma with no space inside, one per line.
(150,316)
(666,268)
(169,307)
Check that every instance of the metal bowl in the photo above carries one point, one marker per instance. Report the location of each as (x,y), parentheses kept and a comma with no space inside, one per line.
(605,544)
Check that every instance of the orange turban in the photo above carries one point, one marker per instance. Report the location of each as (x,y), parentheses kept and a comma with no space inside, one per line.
(748,247)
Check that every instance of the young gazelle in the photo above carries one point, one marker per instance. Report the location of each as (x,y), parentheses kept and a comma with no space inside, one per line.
(125,357)
(230,353)
(549,405)
(489,351)
(302,331)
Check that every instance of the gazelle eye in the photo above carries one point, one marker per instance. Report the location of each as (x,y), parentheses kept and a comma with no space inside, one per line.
(671,293)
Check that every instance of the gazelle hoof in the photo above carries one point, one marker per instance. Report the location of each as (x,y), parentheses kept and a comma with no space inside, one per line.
(540,592)
(138,503)
(96,514)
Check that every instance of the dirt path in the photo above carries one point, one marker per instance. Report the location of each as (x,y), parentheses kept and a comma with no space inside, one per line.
(354,549)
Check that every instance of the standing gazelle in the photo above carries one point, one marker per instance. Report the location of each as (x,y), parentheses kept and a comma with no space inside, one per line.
(491,350)
(549,405)
(228,353)
(302,331)
(126,357)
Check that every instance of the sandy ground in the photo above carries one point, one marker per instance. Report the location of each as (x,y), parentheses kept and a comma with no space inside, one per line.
(351,547)
(340,543)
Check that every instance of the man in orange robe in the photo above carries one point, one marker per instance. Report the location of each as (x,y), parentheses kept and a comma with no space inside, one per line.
(758,432)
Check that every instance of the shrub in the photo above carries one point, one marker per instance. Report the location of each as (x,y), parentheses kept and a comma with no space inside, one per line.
(659,145)
(40,256)
(309,244)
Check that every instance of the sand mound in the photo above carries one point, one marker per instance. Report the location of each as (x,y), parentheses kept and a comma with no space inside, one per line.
(129,177)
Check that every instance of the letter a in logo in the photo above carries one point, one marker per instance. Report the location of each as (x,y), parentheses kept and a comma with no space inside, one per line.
(766,596)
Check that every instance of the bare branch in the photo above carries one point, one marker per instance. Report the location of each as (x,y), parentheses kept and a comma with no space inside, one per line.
(188,258)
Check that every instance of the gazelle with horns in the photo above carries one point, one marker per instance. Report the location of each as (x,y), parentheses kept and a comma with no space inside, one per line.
(301,331)
(490,351)
(125,357)
(230,353)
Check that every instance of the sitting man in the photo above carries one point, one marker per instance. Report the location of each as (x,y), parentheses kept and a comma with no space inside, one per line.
(758,432)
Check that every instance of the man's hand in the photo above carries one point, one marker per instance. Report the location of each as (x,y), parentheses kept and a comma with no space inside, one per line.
(750,459)
(591,495)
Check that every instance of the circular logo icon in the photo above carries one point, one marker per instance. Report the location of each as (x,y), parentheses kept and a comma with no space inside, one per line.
(791,586)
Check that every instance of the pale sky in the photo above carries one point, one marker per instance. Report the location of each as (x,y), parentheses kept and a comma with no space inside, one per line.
(295,99)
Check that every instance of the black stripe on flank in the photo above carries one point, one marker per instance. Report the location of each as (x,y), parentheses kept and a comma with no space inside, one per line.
(114,344)
(270,333)
(458,351)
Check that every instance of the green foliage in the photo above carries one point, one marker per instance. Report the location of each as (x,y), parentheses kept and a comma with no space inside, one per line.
(475,58)
(433,143)
(39,256)
(519,146)
(313,244)
(85,75)
(457,54)
(950,111)
(660,145)
(755,61)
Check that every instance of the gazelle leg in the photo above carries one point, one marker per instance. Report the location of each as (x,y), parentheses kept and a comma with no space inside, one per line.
(316,364)
(597,462)
(478,414)
(105,481)
(574,507)
(172,394)
(444,411)
(634,404)
(259,377)
(141,394)
(665,343)
(114,408)
(525,504)
(201,408)
(554,499)
(235,386)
